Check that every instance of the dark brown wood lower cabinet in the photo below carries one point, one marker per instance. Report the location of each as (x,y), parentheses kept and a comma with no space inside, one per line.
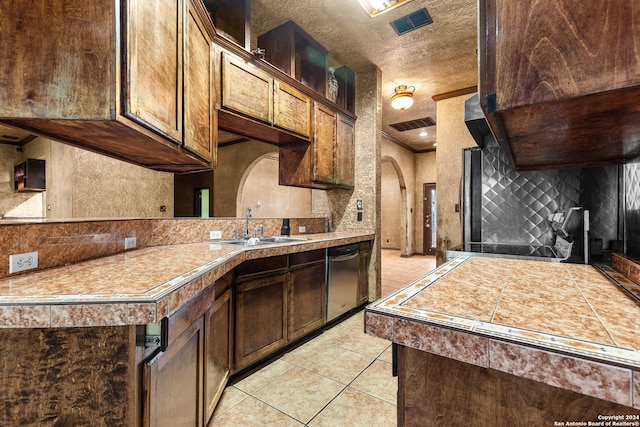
(307,300)
(217,350)
(173,382)
(438,391)
(68,376)
(261,318)
(182,385)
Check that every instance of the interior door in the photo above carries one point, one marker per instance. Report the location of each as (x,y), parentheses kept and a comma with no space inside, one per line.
(429,219)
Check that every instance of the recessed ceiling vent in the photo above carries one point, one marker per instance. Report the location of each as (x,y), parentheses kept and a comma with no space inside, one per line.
(412,21)
(424,122)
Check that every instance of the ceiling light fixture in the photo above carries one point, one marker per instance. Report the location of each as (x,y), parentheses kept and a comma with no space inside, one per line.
(376,7)
(402,97)
(424,133)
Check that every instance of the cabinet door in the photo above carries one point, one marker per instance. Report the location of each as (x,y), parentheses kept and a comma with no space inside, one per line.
(324,142)
(172,382)
(153,81)
(307,300)
(546,51)
(217,351)
(345,152)
(200,126)
(246,89)
(292,109)
(261,325)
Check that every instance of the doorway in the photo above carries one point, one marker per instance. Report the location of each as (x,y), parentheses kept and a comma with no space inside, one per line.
(429,219)
(201,202)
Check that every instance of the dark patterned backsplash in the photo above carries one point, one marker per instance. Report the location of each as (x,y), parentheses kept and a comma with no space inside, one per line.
(632,207)
(515,205)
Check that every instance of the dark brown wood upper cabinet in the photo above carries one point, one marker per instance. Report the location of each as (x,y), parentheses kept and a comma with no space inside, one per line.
(154,37)
(560,81)
(345,152)
(200,118)
(297,54)
(246,89)
(324,145)
(231,19)
(326,163)
(106,76)
(292,109)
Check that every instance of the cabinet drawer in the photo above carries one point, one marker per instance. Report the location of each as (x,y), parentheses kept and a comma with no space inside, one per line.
(262,266)
(307,257)
(179,321)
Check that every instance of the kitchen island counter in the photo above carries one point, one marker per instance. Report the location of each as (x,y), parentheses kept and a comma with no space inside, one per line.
(567,327)
(135,287)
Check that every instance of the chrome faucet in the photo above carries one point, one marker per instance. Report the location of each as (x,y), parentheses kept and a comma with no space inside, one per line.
(246,227)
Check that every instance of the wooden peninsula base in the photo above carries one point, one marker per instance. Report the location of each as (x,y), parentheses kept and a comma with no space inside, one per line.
(68,376)
(438,391)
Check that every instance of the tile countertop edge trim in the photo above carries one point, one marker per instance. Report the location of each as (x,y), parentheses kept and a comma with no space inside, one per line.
(147,308)
(480,349)
(391,306)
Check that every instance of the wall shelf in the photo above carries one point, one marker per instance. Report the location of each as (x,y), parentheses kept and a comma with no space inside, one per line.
(30,175)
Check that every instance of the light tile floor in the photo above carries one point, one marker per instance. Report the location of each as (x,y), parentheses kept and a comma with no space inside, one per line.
(340,378)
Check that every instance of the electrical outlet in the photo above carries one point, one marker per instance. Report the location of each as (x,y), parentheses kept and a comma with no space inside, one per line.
(22,262)
(129,243)
(302,229)
(215,235)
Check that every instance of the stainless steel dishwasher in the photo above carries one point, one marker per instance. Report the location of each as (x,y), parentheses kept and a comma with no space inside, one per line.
(343,272)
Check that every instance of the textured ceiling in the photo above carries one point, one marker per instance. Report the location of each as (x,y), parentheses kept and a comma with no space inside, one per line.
(435,59)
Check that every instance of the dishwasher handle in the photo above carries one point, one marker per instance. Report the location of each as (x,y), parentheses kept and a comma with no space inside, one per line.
(346,257)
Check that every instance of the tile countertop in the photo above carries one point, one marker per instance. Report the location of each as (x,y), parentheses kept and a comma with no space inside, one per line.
(135,287)
(551,322)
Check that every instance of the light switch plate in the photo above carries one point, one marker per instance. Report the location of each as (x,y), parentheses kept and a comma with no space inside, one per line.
(129,243)
(302,229)
(215,235)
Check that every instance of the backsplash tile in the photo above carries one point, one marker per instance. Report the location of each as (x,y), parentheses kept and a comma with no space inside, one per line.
(68,242)
(9,244)
(57,244)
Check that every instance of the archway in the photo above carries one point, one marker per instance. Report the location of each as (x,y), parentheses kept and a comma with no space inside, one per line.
(394,212)
(260,191)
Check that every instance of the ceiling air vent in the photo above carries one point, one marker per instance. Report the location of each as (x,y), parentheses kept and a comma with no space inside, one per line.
(412,21)
(424,122)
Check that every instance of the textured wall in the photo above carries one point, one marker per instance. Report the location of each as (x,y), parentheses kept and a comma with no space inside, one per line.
(104,187)
(266,198)
(82,184)
(233,161)
(392,226)
(425,174)
(14,204)
(403,162)
(341,204)
(453,136)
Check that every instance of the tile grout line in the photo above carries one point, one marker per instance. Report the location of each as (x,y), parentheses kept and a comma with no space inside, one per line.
(347,386)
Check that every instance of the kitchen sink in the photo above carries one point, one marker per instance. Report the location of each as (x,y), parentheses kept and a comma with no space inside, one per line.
(270,240)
